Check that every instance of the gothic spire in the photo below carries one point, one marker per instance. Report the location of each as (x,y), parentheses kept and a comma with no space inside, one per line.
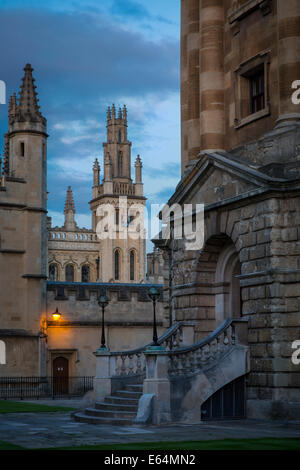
(69,204)
(28,108)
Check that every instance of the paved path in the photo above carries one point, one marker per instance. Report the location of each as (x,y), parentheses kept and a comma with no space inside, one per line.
(37,430)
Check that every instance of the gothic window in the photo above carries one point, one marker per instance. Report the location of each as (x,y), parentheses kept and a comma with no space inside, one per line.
(132,265)
(117,265)
(22,149)
(53,272)
(120,164)
(85,273)
(70,273)
(120,136)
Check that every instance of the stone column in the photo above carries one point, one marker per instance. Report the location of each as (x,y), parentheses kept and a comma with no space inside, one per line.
(212,114)
(190,125)
(158,384)
(288,30)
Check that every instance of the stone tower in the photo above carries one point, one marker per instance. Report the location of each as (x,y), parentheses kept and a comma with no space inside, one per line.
(122,258)
(23,232)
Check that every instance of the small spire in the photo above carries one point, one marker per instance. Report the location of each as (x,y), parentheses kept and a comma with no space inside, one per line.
(138,161)
(96,165)
(28,103)
(108,113)
(96,172)
(69,204)
(113,113)
(125,113)
(120,113)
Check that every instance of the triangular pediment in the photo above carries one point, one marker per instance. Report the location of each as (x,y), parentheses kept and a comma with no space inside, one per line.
(217,178)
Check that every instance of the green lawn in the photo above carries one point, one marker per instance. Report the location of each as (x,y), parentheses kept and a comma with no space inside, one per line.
(7,406)
(225,444)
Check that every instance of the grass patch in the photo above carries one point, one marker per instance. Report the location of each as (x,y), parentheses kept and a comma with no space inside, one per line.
(224,444)
(7,406)
(8,446)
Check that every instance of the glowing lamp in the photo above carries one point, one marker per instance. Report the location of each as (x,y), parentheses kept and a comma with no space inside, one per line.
(56,315)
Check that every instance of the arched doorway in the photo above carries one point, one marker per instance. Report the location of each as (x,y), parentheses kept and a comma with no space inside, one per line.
(60,376)
(216,275)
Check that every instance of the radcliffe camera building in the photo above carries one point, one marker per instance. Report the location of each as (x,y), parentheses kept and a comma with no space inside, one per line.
(240,154)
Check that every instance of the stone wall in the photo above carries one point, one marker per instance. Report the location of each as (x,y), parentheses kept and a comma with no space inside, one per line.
(128,321)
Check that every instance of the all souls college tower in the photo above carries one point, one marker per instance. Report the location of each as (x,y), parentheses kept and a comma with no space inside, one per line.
(79,255)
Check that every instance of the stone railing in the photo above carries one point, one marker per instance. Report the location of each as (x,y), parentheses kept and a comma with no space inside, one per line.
(188,360)
(130,363)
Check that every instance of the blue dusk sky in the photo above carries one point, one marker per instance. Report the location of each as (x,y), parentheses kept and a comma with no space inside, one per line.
(87,55)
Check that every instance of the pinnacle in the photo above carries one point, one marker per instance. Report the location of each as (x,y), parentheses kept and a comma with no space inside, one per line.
(69,204)
(27,109)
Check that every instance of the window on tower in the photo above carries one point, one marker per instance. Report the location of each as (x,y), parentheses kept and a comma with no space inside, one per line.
(22,149)
(132,265)
(53,272)
(120,136)
(70,273)
(85,273)
(117,265)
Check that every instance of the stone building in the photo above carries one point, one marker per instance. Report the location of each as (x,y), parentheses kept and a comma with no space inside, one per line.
(81,255)
(240,158)
(44,268)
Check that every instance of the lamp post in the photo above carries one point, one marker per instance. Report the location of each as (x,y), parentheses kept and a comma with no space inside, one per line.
(154,294)
(103,302)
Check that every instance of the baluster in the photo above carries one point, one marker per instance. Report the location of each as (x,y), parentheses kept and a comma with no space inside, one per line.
(218,346)
(199,358)
(232,334)
(226,340)
(131,367)
(123,366)
(138,364)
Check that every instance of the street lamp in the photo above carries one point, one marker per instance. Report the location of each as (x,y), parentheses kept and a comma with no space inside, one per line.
(154,294)
(56,315)
(103,302)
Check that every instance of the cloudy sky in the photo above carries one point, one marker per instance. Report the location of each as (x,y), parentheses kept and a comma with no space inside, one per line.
(86,55)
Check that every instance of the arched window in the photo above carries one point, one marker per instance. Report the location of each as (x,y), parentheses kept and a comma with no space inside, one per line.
(117,265)
(132,265)
(2,353)
(120,164)
(120,136)
(85,273)
(53,272)
(70,273)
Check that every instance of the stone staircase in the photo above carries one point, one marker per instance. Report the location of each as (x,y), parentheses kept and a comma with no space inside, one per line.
(120,408)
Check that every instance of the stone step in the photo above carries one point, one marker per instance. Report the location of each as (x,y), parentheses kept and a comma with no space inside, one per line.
(134,388)
(84,418)
(128,394)
(118,406)
(121,400)
(115,413)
